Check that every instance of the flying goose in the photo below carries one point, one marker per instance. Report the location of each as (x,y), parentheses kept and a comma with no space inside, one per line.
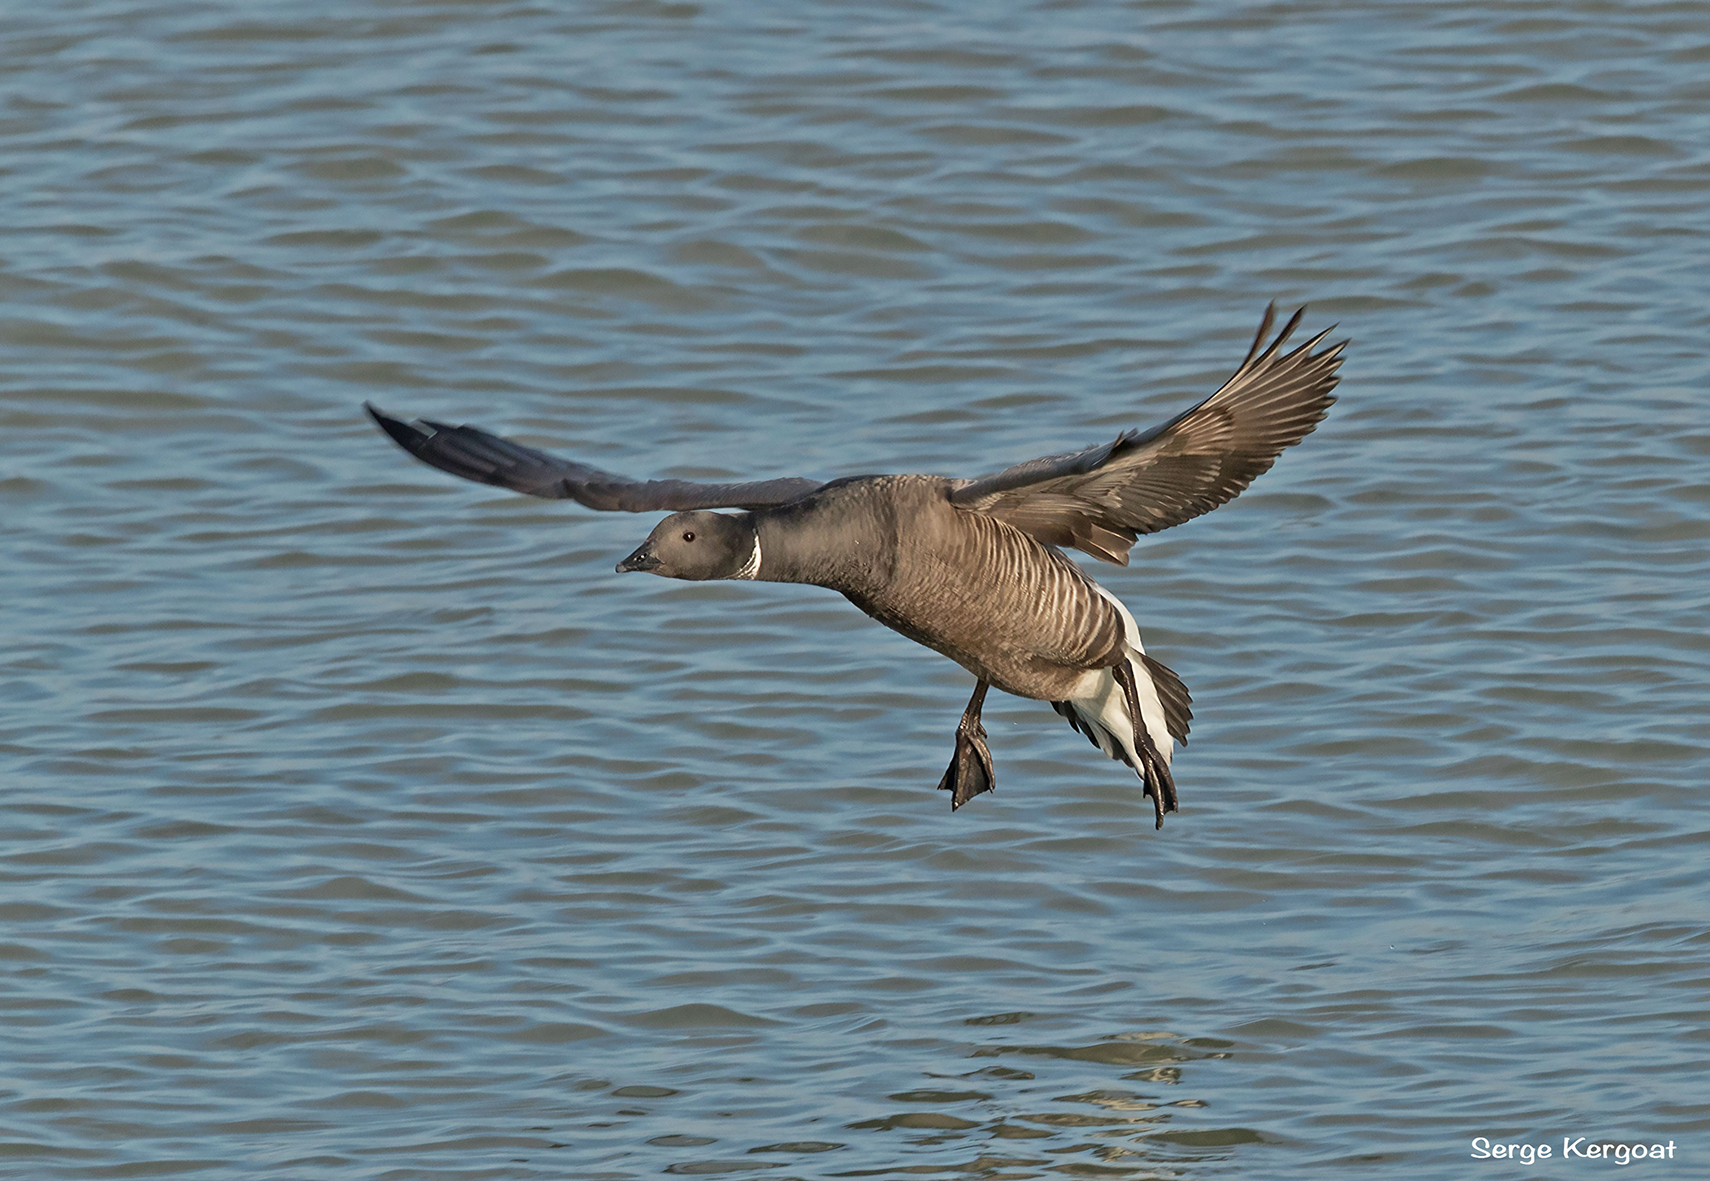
(970,568)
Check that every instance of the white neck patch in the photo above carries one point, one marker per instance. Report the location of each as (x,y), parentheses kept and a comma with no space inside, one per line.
(752,570)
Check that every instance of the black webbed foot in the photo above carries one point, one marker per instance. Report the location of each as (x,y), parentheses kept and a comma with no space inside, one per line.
(970,771)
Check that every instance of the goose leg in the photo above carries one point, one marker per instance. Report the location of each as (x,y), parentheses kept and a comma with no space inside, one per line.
(1153,770)
(970,770)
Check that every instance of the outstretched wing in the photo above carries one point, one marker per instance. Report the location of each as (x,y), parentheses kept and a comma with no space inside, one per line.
(1103,498)
(474,454)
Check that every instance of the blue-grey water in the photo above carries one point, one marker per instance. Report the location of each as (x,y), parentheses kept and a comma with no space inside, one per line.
(362,823)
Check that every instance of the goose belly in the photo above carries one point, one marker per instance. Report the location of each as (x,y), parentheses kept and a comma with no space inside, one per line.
(1039,637)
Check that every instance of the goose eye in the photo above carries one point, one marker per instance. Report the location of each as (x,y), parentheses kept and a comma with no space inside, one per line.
(689,536)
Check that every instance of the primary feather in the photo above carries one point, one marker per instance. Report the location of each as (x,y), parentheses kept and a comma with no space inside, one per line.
(1102,499)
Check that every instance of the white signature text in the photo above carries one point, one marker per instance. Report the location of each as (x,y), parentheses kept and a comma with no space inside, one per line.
(1484,1148)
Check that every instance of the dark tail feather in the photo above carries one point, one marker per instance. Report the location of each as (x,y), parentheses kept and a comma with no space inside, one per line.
(1173,695)
(1155,773)
(1160,784)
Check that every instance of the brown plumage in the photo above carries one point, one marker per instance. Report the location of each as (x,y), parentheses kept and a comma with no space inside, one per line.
(971,568)
(1101,499)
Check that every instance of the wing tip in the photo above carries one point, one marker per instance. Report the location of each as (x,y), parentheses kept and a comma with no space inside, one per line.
(1269,318)
(1299,371)
(1254,356)
(400,432)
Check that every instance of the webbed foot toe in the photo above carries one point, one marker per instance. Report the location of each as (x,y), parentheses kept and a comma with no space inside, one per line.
(970,770)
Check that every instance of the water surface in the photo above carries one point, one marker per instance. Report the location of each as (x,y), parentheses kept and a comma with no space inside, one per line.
(360,823)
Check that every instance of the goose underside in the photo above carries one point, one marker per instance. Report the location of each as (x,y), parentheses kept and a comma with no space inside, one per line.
(1140,751)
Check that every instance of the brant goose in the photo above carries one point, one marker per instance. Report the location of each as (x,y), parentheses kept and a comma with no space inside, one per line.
(971,568)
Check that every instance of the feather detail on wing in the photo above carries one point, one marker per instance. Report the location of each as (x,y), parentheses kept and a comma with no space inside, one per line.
(1102,499)
(474,454)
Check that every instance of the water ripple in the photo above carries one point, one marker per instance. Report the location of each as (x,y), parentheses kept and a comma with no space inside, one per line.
(361,823)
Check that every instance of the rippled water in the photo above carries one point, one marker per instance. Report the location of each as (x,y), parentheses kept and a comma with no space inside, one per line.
(363,823)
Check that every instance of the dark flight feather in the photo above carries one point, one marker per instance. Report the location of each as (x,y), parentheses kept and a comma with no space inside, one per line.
(1101,499)
(475,454)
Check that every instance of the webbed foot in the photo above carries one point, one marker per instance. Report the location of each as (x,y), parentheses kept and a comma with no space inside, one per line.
(970,770)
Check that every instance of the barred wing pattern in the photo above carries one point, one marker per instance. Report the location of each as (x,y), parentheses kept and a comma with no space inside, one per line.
(475,454)
(1102,499)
